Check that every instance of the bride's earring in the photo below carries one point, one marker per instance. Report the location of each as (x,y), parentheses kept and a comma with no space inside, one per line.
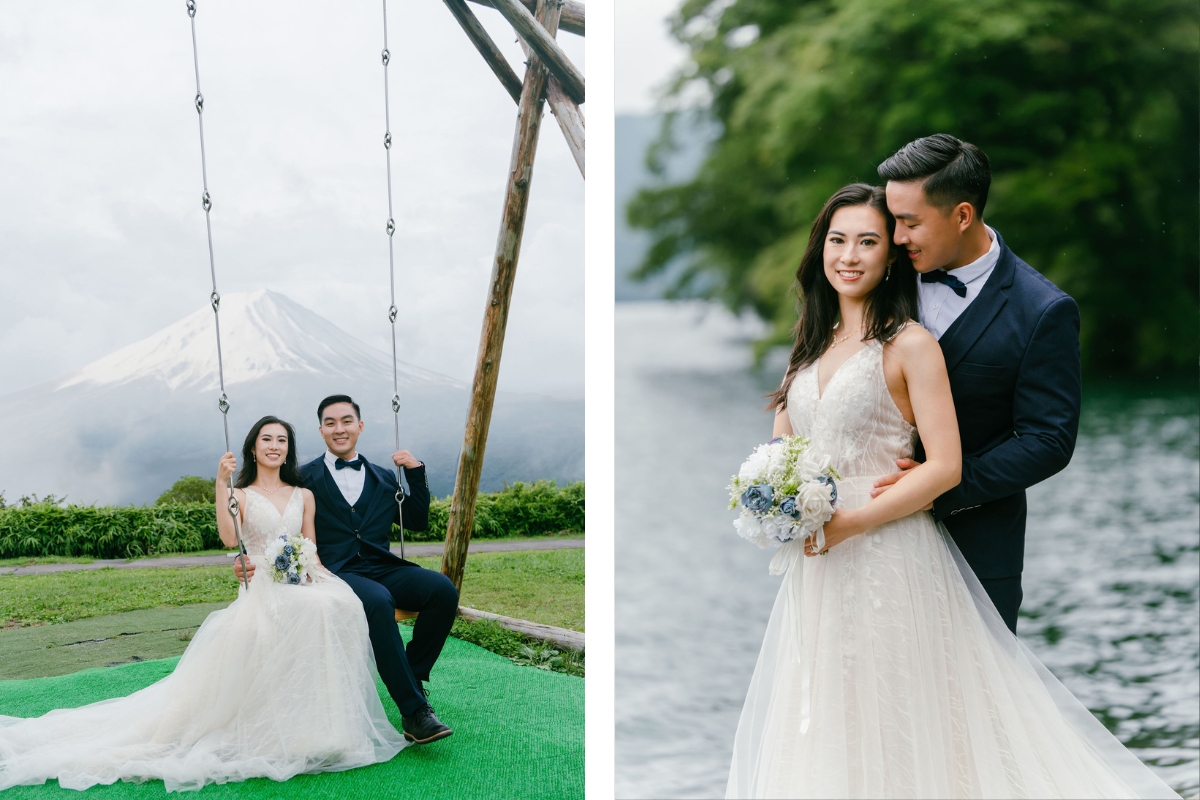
(888,274)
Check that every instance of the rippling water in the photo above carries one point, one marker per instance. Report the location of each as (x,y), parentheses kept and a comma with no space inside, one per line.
(1112,561)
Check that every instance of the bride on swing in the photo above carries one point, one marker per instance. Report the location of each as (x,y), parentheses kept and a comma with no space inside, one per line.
(277,684)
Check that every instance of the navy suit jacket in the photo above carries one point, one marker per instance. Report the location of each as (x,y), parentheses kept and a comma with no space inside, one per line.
(343,530)
(1013,359)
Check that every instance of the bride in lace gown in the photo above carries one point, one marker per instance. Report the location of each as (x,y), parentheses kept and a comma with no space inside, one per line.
(885,670)
(277,684)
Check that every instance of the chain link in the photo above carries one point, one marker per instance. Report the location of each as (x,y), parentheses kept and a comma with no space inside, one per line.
(214,298)
(386,57)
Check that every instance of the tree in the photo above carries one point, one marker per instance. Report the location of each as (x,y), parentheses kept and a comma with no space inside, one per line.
(1087,110)
(189,489)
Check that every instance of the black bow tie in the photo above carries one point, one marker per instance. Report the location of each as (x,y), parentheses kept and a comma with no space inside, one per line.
(341,463)
(941,276)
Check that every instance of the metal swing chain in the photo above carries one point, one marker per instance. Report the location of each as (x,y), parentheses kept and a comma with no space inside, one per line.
(214,298)
(392,311)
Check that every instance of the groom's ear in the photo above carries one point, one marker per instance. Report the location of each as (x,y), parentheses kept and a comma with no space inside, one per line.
(963,215)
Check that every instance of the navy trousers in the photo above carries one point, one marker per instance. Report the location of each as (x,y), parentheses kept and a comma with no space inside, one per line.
(383,587)
(1006,597)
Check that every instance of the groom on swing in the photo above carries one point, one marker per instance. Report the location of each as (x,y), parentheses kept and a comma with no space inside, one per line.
(356,507)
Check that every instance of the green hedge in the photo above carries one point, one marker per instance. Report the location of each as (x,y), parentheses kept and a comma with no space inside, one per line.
(47,529)
(521,509)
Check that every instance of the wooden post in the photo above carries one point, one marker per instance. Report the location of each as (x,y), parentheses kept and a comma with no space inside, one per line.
(491,340)
(570,20)
(570,120)
(486,47)
(542,42)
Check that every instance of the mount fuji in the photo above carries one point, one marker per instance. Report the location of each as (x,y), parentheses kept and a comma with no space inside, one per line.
(124,428)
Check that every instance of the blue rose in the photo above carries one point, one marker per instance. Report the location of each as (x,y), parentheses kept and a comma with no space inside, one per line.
(758,498)
(787,506)
(293,578)
(287,548)
(832,487)
(281,562)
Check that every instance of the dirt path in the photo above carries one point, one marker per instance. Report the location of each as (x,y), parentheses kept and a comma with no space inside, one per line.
(412,550)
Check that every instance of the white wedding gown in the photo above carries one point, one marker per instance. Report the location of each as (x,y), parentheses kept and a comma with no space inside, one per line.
(885,670)
(278,683)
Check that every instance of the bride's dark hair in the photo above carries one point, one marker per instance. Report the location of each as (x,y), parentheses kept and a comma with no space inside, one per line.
(892,303)
(289,471)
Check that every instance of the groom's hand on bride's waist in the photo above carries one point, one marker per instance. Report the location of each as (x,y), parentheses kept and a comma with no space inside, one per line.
(882,485)
(403,458)
(237,569)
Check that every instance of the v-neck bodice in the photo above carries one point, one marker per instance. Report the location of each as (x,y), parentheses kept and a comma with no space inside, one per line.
(263,521)
(855,421)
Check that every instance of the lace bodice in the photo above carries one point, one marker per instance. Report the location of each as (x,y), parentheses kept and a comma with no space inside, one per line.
(262,522)
(856,421)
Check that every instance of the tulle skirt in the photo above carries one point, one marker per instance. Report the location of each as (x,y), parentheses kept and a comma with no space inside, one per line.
(887,672)
(277,684)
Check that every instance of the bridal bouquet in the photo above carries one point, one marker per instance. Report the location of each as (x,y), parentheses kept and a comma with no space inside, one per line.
(785,490)
(289,558)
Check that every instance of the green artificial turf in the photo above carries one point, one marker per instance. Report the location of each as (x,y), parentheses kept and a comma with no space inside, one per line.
(518,733)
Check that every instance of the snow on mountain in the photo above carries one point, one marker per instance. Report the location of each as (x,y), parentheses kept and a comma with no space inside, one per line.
(123,428)
(262,333)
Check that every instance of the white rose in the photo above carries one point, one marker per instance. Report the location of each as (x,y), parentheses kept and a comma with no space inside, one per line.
(812,504)
(812,464)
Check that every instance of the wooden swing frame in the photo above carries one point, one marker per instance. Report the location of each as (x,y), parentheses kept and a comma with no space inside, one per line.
(549,77)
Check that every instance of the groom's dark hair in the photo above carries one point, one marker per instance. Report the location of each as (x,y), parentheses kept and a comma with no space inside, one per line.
(337,398)
(954,171)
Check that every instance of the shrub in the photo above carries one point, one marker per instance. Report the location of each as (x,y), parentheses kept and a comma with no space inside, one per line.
(520,509)
(47,527)
(189,489)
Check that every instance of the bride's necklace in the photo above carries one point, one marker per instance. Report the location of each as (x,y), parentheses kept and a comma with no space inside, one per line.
(838,340)
(271,491)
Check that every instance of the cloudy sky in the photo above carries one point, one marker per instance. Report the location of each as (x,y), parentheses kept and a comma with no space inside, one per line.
(100,221)
(647,56)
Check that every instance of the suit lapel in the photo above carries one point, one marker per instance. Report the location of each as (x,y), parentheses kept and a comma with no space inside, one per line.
(333,495)
(958,339)
(315,472)
(373,500)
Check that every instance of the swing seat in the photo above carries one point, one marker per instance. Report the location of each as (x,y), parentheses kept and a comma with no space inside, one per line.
(401,614)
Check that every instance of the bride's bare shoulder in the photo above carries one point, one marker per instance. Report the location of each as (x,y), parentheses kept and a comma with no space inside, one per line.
(914,341)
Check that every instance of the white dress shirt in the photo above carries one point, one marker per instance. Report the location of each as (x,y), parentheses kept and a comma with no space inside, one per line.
(937,303)
(350,481)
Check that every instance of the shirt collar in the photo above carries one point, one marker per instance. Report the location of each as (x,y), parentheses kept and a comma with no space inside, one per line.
(982,265)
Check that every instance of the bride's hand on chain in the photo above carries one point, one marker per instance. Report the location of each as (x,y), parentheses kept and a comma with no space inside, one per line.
(840,527)
(226,467)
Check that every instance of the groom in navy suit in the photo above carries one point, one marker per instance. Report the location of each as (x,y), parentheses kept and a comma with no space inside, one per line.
(356,507)
(1011,342)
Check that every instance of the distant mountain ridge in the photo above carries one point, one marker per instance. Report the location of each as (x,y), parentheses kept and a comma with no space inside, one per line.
(123,428)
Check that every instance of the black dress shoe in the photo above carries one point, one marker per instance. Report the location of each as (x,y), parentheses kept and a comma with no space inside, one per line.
(424,726)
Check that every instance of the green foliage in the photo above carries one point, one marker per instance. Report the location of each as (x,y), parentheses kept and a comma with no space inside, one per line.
(46,527)
(519,649)
(190,489)
(520,509)
(1088,112)
(49,529)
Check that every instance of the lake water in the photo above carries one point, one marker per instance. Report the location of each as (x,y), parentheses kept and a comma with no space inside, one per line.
(1112,560)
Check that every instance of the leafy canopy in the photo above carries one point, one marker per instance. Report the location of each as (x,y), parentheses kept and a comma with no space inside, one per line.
(189,489)
(1087,110)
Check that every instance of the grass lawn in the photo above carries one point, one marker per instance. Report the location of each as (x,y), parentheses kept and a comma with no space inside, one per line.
(29,561)
(62,622)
